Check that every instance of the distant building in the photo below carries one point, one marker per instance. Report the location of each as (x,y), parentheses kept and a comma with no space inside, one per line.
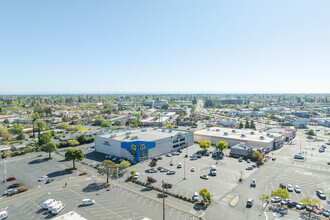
(159,103)
(243,150)
(231,101)
(301,122)
(142,144)
(183,103)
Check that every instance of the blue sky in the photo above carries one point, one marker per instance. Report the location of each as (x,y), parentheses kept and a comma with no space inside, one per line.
(176,46)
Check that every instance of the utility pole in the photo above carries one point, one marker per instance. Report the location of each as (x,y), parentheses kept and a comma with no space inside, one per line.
(163,201)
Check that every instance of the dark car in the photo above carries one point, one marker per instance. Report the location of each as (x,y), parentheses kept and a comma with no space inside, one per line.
(326,213)
(11,178)
(292,204)
(50,180)
(180,151)
(282,186)
(274,158)
(309,208)
(300,206)
(320,194)
(159,158)
(299,157)
(159,168)
(13,185)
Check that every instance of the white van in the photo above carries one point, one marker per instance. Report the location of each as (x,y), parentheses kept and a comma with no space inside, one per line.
(47,203)
(3,215)
(213,170)
(51,206)
(87,202)
(58,208)
(195,196)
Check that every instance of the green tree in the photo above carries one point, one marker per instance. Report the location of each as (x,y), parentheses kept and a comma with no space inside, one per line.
(17,128)
(221,145)
(64,126)
(124,164)
(6,121)
(44,138)
(41,125)
(82,139)
(49,148)
(247,125)
(133,172)
(170,126)
(283,193)
(107,167)
(241,125)
(21,136)
(206,195)
(73,143)
(310,132)
(258,157)
(105,124)
(74,154)
(310,201)
(252,125)
(204,144)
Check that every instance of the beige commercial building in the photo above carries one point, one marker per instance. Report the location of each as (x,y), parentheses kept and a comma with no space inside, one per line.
(249,137)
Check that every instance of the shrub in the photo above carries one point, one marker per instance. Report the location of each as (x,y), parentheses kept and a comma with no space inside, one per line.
(23,190)
(83,173)
(71,168)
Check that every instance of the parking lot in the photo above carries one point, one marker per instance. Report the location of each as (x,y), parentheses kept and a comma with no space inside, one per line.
(228,173)
(110,203)
(30,167)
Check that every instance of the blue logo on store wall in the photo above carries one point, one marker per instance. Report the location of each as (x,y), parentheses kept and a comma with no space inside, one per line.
(138,146)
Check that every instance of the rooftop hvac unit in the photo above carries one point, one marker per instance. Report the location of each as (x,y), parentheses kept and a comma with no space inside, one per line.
(127,136)
(252,132)
(155,128)
(234,131)
(242,135)
(271,136)
(217,129)
(170,131)
(225,133)
(262,138)
(128,133)
(144,130)
(208,129)
(163,130)
(267,134)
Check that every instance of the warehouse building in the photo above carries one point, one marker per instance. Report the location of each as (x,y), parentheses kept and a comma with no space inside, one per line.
(238,136)
(142,144)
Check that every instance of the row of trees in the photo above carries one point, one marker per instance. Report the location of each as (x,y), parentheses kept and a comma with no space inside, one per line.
(247,125)
(220,146)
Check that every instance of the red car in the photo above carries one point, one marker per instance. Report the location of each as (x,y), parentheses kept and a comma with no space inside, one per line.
(11,178)
(14,185)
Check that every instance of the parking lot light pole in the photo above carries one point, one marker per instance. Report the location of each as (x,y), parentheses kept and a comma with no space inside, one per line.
(184,168)
(268,188)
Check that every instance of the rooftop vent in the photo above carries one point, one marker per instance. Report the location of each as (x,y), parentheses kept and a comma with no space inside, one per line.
(262,138)
(242,135)
(252,132)
(234,131)
(225,133)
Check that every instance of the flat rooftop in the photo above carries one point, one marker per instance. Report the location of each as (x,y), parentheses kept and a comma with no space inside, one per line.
(237,134)
(144,134)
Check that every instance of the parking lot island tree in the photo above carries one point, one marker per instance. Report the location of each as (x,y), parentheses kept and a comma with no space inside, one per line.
(221,145)
(310,132)
(124,164)
(49,148)
(282,193)
(258,157)
(206,195)
(107,167)
(170,126)
(205,144)
(133,172)
(308,201)
(74,154)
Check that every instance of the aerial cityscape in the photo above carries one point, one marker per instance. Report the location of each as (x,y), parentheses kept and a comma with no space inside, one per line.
(164,110)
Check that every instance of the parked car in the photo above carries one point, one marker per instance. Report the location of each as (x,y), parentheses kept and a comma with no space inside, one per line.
(50,180)
(297,189)
(179,165)
(193,157)
(42,178)
(175,153)
(10,191)
(47,203)
(85,202)
(195,196)
(285,201)
(282,186)
(320,194)
(249,168)
(326,213)
(136,176)
(318,210)
(3,215)
(240,160)
(275,199)
(253,183)
(321,150)
(198,156)
(159,158)
(299,157)
(11,178)
(206,177)
(309,208)
(292,204)
(168,155)
(300,206)
(159,168)
(14,185)
(170,172)
(180,151)
(192,169)
(273,158)
(164,170)
(57,209)
(249,202)
(207,153)
(289,188)
(152,171)
(248,160)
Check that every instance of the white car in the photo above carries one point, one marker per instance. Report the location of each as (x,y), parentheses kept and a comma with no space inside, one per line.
(195,196)
(42,178)
(289,188)
(10,191)
(297,189)
(136,176)
(179,165)
(47,203)
(87,202)
(193,169)
(57,209)
(52,205)
(3,215)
